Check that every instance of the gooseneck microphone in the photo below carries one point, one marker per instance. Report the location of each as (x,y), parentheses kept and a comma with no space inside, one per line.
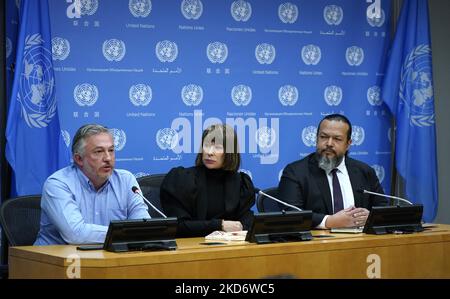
(384,195)
(138,192)
(259,191)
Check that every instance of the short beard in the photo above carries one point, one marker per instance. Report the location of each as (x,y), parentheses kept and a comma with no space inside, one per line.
(328,164)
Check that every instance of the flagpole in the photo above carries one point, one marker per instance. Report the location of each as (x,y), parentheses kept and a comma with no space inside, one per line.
(394,173)
(4,171)
(396,8)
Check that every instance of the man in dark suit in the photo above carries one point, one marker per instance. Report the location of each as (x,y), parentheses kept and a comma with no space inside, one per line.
(328,182)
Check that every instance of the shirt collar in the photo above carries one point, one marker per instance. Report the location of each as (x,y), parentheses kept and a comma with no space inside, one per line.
(86,182)
(341,167)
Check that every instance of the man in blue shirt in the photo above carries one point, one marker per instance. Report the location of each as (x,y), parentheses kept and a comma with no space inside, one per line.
(80,200)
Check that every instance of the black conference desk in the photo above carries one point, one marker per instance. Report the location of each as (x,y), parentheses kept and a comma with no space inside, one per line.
(419,255)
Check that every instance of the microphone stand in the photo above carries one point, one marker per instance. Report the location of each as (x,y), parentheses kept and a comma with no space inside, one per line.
(137,191)
(388,196)
(279,201)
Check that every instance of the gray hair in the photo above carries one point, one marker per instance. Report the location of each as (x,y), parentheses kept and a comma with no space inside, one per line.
(86,131)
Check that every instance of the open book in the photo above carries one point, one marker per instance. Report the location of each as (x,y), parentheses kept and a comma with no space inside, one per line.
(227,236)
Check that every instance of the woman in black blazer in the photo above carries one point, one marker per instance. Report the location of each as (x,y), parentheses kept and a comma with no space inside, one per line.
(212,195)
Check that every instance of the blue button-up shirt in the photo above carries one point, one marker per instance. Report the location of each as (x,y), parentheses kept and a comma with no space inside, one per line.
(73,212)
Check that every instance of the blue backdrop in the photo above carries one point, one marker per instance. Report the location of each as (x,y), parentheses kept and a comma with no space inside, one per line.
(158,72)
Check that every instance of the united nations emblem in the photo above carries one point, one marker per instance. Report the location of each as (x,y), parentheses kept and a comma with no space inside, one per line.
(85,94)
(241,10)
(36,86)
(113,49)
(217,52)
(66,137)
(309,136)
(140,8)
(358,135)
(376,21)
(247,172)
(265,137)
(192,94)
(140,94)
(140,174)
(166,51)
(192,9)
(265,53)
(88,7)
(416,88)
(119,137)
(354,55)
(333,14)
(374,95)
(167,138)
(332,95)
(241,95)
(60,48)
(8,47)
(311,54)
(288,12)
(379,170)
(288,95)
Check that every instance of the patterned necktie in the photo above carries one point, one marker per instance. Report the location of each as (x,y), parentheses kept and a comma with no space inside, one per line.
(337,193)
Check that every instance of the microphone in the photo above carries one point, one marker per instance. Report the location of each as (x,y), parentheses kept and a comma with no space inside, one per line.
(138,192)
(384,195)
(260,192)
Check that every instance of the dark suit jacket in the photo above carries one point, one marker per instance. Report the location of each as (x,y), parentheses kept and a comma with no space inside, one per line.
(184,195)
(305,185)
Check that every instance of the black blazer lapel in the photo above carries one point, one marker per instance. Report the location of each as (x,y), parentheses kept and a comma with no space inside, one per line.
(320,179)
(355,181)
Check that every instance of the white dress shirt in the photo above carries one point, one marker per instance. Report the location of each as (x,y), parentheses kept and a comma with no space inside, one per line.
(346,189)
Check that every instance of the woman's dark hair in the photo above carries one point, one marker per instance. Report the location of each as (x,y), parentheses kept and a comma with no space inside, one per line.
(338,117)
(225,135)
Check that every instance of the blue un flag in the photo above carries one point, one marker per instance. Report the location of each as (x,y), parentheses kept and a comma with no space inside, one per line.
(35,147)
(408,91)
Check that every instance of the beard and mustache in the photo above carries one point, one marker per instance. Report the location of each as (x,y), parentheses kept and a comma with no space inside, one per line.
(328,163)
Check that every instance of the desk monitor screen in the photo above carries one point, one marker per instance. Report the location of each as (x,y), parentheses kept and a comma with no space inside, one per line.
(392,219)
(143,234)
(275,227)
